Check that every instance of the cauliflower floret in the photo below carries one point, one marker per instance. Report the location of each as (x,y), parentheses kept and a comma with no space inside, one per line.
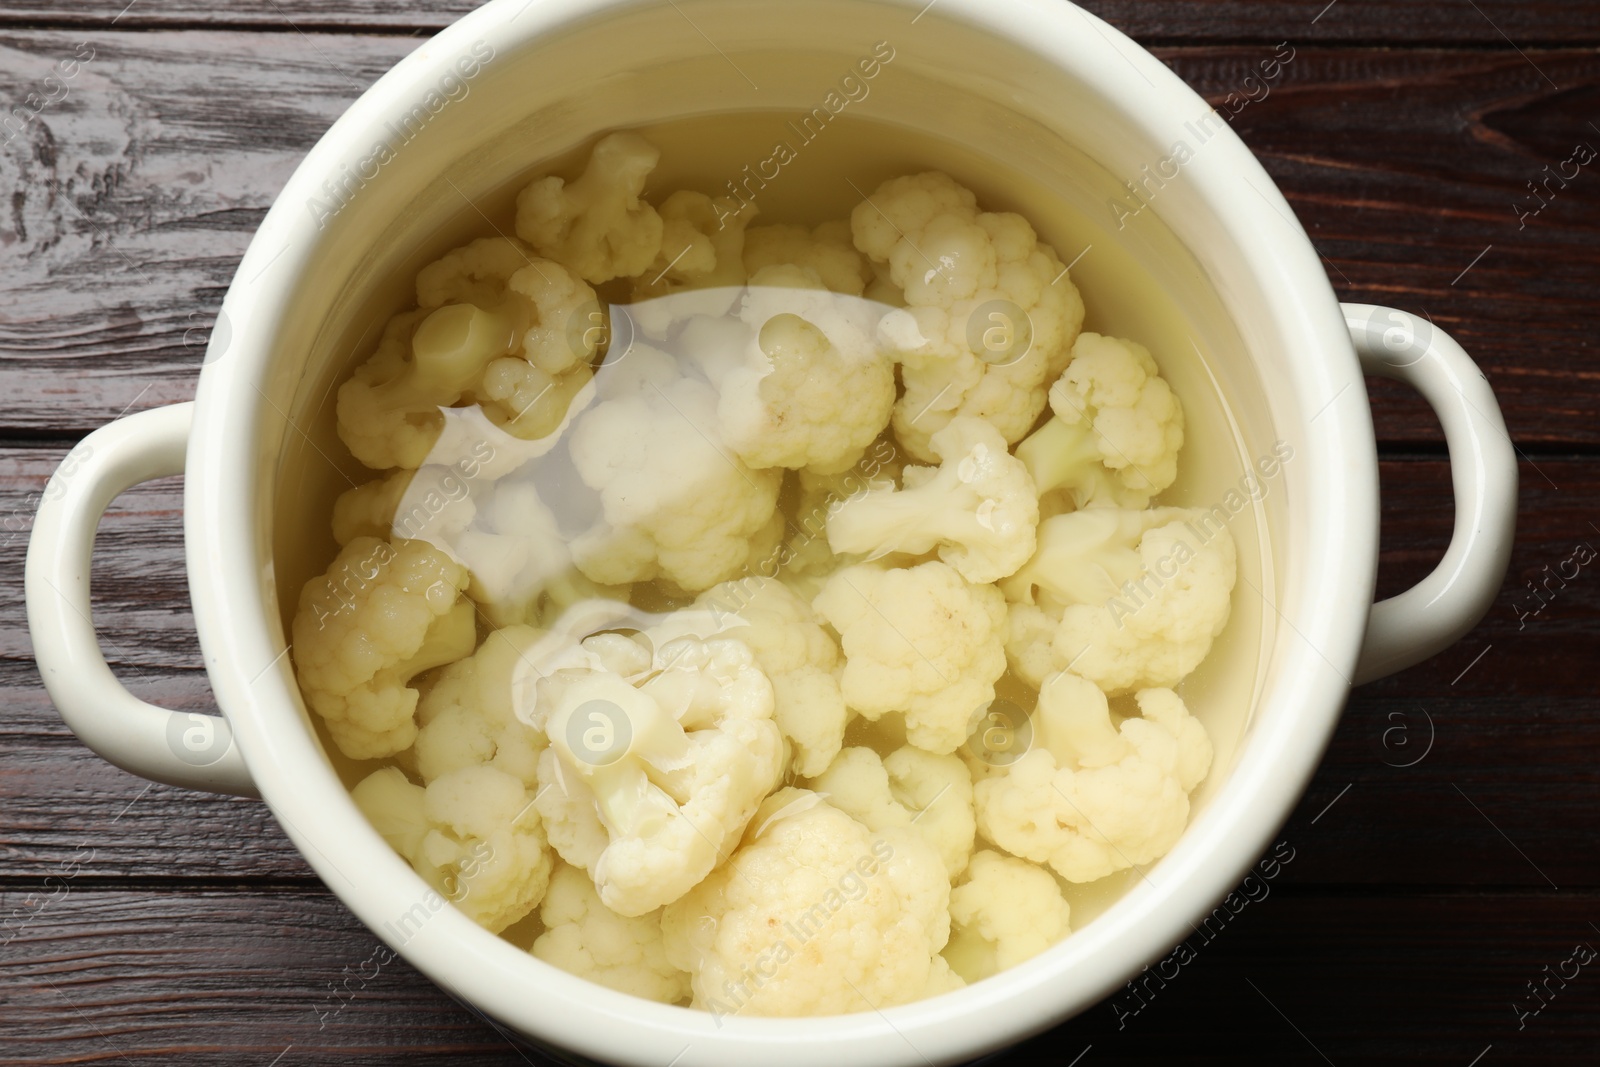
(438,505)
(700,270)
(514,549)
(991,314)
(797,654)
(472,835)
(560,325)
(498,528)
(887,225)
(1117,427)
(479,450)
(827,249)
(555,323)
(368,509)
(584,937)
(475,273)
(433,503)
(922,641)
(810,391)
(486,509)
(1093,799)
(809,561)
(979,508)
(702,247)
(676,504)
(468,717)
(815,915)
(1006,912)
(912,789)
(381,615)
(531,403)
(673,768)
(1129,599)
(389,411)
(639,369)
(556,319)
(597,224)
(571,816)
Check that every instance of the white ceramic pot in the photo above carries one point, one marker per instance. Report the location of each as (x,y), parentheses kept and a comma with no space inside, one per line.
(1038,82)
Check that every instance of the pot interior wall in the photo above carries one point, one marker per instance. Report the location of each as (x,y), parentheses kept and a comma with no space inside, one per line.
(1000,120)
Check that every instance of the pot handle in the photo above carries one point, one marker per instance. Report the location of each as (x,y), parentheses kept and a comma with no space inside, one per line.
(178,748)
(1439,610)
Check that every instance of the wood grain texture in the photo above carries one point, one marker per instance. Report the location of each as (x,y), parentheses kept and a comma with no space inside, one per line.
(1408,171)
(216,978)
(131,201)
(1383,22)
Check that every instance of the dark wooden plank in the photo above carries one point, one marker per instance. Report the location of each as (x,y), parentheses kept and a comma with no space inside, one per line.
(204,978)
(56,797)
(312,16)
(1476,767)
(132,199)
(1513,735)
(1408,171)
(1384,22)
(130,202)
(1308,978)
(62,802)
(221,977)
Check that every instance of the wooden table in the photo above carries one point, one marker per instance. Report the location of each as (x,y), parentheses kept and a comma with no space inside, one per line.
(1446,853)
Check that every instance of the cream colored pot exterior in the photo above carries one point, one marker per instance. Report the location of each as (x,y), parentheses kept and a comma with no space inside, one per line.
(538,77)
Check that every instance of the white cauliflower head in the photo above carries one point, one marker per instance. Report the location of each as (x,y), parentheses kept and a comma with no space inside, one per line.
(702,248)
(368,509)
(677,504)
(910,789)
(514,548)
(468,717)
(923,641)
(597,224)
(1117,427)
(379,616)
(433,503)
(1006,912)
(501,507)
(814,915)
(584,937)
(811,389)
(531,403)
(672,768)
(389,411)
(1094,798)
(1128,599)
(991,314)
(475,273)
(978,508)
(807,559)
(555,319)
(796,652)
(472,835)
(826,249)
